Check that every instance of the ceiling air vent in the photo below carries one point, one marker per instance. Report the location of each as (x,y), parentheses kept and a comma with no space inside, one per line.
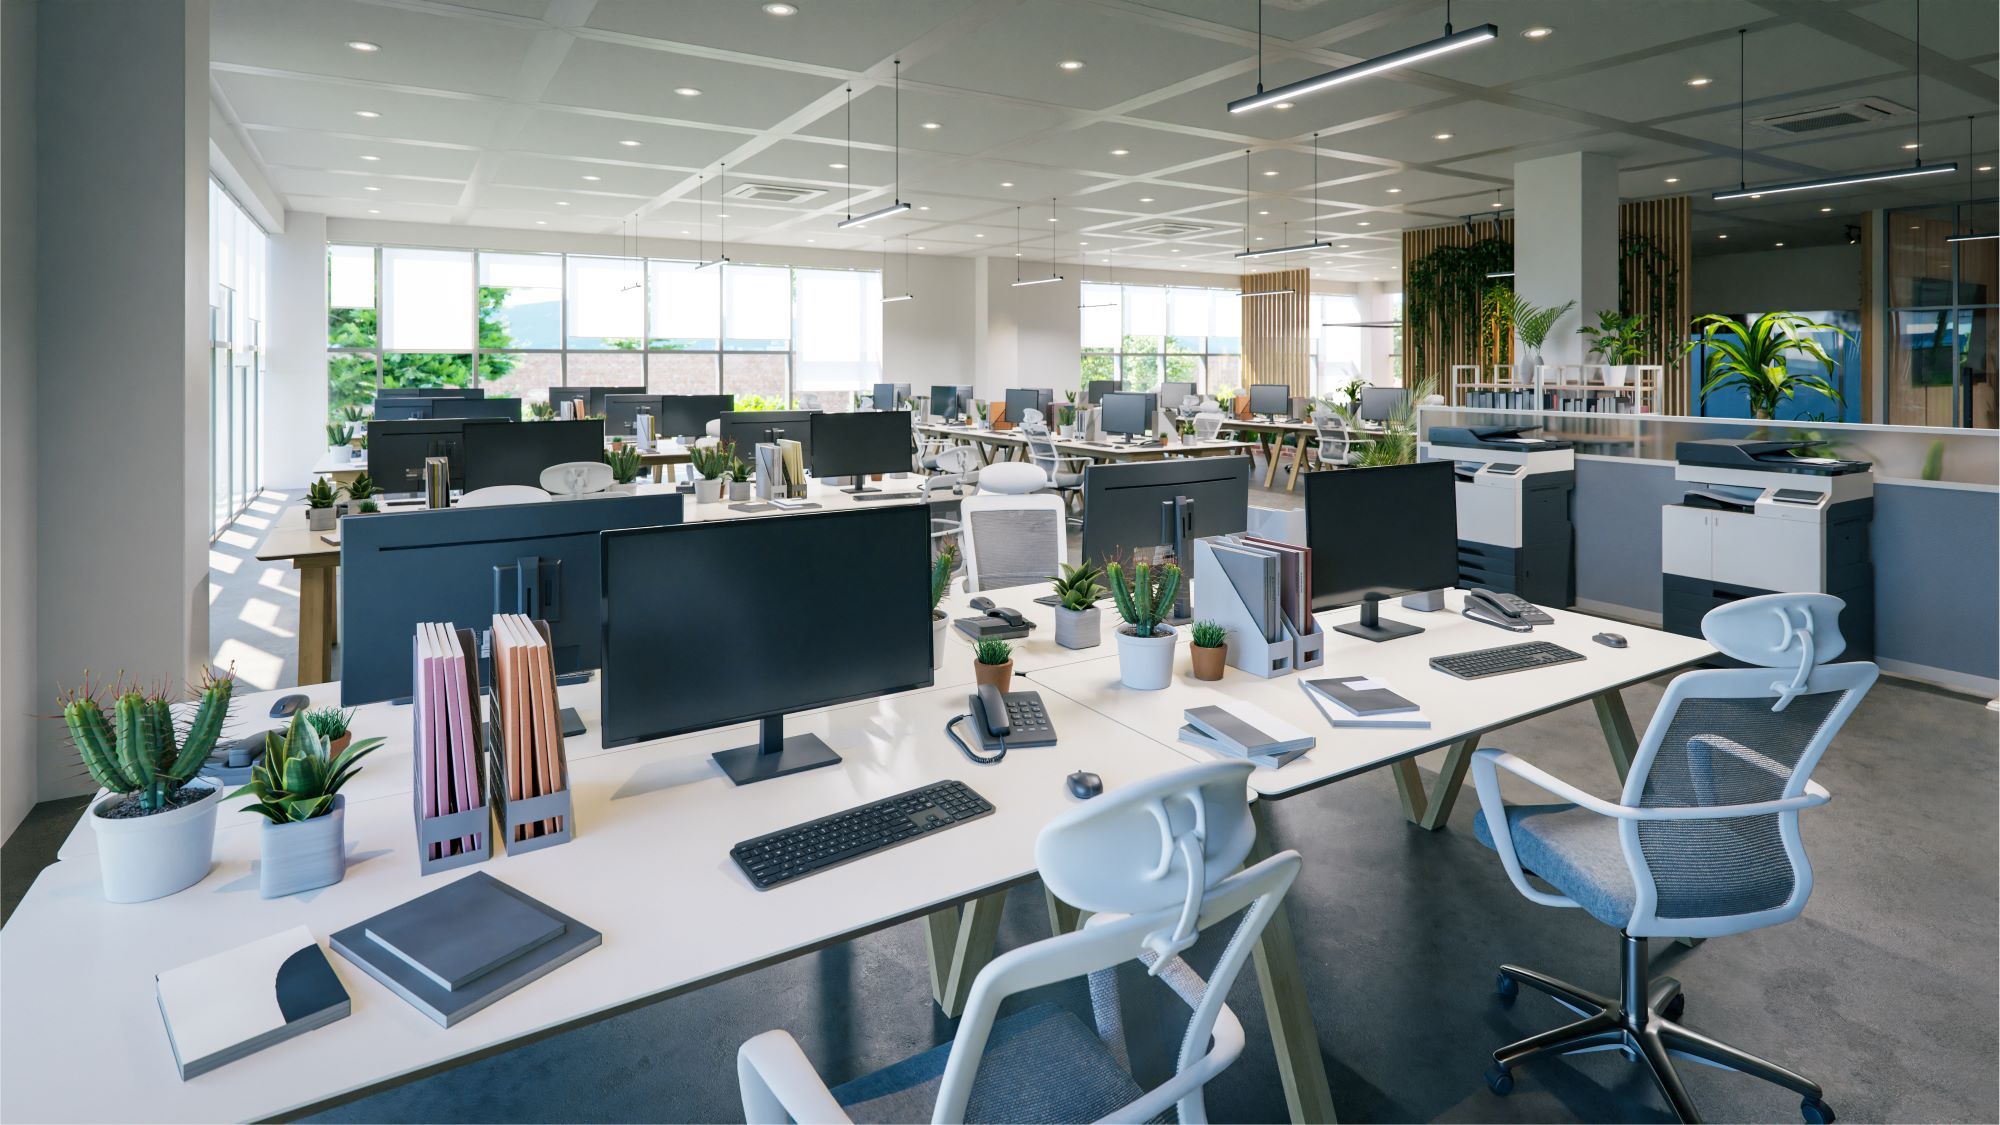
(1856,114)
(774,193)
(1169,229)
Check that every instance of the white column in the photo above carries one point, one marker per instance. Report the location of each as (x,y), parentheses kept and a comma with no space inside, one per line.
(295,376)
(1566,242)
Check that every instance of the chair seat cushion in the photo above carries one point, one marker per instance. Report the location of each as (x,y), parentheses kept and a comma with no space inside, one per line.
(1573,850)
(1041,1064)
(1014,478)
(1069,480)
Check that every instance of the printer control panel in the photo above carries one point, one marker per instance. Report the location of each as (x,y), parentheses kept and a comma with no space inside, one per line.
(1803,497)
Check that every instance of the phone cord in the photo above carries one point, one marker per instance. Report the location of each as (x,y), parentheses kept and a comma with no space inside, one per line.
(967,750)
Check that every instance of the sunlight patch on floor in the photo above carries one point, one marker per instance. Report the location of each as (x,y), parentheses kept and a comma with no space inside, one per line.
(227,564)
(254,666)
(237,539)
(273,579)
(248,520)
(264,616)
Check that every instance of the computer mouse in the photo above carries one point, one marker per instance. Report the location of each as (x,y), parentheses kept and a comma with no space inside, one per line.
(1610,640)
(289,705)
(1083,786)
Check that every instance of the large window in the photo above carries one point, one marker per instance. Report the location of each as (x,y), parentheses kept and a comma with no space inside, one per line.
(1944,307)
(1145,335)
(1339,354)
(236,284)
(520,323)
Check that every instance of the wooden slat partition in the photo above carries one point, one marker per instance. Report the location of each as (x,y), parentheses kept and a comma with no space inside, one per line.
(1276,335)
(1465,344)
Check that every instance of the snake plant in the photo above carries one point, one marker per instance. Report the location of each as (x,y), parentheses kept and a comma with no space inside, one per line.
(138,750)
(1148,598)
(322,493)
(1752,356)
(624,462)
(1077,587)
(298,779)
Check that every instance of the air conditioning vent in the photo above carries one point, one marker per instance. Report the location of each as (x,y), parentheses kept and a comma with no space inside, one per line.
(1842,116)
(774,193)
(1169,229)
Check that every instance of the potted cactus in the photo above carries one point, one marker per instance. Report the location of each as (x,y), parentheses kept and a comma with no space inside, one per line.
(739,479)
(1210,649)
(711,463)
(1077,591)
(321,496)
(331,724)
(1145,641)
(156,827)
(993,663)
(624,462)
(297,791)
(941,568)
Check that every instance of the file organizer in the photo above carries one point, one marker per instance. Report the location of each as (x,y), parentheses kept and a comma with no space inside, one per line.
(529,823)
(1217,599)
(469,829)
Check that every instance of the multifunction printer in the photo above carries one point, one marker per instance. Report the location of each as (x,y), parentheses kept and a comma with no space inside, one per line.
(1515,495)
(1764,517)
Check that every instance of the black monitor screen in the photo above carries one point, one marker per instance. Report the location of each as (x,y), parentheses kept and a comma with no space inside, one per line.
(504,409)
(620,410)
(518,454)
(1101,387)
(1020,400)
(402,408)
(747,429)
(1121,503)
(431,392)
(1385,531)
(1127,412)
(1379,404)
(689,415)
(945,402)
(751,660)
(889,396)
(855,445)
(397,450)
(1270,398)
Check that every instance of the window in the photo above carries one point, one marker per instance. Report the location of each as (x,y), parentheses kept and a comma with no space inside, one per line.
(237,272)
(1144,335)
(837,347)
(1338,354)
(1944,305)
(607,303)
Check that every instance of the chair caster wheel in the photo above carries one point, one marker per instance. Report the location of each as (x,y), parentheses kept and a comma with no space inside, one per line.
(1501,1080)
(1675,1008)
(1506,988)
(1814,1110)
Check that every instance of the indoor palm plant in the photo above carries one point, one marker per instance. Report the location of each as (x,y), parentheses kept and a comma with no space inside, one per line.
(321,496)
(1753,356)
(296,789)
(1145,641)
(1395,443)
(993,663)
(156,828)
(711,463)
(1620,341)
(1533,323)
(1210,649)
(941,568)
(1077,590)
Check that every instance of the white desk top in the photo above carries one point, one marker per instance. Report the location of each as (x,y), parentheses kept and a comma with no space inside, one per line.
(340,459)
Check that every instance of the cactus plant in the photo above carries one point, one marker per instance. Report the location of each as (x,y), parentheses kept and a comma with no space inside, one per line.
(1148,598)
(322,493)
(624,462)
(298,778)
(137,750)
(1078,587)
(941,568)
(712,461)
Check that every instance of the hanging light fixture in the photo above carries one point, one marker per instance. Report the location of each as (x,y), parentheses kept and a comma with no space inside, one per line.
(1450,41)
(1917,166)
(1053,275)
(898,207)
(1969,237)
(1316,244)
(1110,278)
(633,221)
(721,218)
(905,295)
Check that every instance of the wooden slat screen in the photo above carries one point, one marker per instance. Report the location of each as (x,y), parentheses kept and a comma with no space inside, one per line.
(1465,345)
(1276,335)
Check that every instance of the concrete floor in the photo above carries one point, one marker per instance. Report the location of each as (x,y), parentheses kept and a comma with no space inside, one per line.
(1883,991)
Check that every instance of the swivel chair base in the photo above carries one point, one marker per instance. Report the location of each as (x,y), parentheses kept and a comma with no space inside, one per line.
(1642,1024)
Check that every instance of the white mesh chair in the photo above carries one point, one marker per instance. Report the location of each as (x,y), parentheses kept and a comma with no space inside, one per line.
(1012,540)
(1065,470)
(1703,841)
(1153,862)
(498,494)
(1335,439)
(1208,425)
(952,467)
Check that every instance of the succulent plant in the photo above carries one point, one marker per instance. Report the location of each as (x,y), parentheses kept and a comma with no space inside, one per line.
(338,433)
(297,780)
(322,493)
(941,568)
(354,413)
(1078,586)
(992,650)
(362,487)
(542,411)
(712,461)
(624,462)
(739,470)
(1148,598)
(329,722)
(1208,634)
(138,750)
(367,506)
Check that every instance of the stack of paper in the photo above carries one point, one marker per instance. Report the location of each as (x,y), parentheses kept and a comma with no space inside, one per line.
(240,1001)
(447,735)
(1242,731)
(1361,701)
(526,718)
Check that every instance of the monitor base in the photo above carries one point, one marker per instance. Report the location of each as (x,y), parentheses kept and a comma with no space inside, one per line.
(747,765)
(572,723)
(859,489)
(1380,631)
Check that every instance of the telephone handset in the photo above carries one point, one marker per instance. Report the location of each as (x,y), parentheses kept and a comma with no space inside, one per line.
(1002,723)
(1508,611)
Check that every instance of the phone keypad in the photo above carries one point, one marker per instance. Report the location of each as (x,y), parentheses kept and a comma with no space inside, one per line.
(1027,721)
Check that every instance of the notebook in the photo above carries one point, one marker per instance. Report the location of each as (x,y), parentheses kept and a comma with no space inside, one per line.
(1243,731)
(458,932)
(238,1002)
(1361,701)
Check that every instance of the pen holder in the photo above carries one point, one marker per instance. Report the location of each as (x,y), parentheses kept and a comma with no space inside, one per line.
(473,824)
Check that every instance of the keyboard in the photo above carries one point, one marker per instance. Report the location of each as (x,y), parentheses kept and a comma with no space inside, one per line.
(793,853)
(1481,663)
(864,497)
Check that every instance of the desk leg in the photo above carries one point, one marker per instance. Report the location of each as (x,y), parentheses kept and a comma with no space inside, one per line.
(959,942)
(1271,447)
(1063,918)
(315,604)
(1430,811)
(659,473)
(1298,462)
(332,611)
(1280,979)
(1617,726)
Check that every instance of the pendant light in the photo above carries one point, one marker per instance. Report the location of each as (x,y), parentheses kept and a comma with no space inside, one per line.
(905,295)
(1450,41)
(1110,278)
(1969,237)
(1316,244)
(1053,275)
(721,219)
(1917,166)
(898,207)
(631,220)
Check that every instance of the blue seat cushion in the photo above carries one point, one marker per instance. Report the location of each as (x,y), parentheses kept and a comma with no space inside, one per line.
(1573,850)
(1042,1064)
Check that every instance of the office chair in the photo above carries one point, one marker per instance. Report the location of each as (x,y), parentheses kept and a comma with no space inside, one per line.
(495,495)
(1012,540)
(1208,425)
(577,478)
(951,468)
(1335,439)
(1065,470)
(1152,862)
(1704,840)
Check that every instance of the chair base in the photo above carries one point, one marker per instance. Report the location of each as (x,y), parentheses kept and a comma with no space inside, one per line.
(1643,1023)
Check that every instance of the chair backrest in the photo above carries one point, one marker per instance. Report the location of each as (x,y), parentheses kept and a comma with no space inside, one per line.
(1208,425)
(577,478)
(497,494)
(1154,862)
(1042,448)
(1738,736)
(1336,440)
(1029,417)
(1012,540)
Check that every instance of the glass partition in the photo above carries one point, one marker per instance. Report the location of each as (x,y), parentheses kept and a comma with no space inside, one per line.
(1944,304)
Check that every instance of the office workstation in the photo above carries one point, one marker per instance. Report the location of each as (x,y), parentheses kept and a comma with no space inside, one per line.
(987,562)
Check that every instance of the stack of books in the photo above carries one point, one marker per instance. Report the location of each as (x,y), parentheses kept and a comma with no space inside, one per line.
(242,1000)
(526,728)
(1241,731)
(1362,701)
(447,743)
(1260,591)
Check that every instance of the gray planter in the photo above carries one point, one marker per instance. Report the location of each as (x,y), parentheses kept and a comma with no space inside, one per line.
(708,491)
(301,856)
(321,519)
(1078,628)
(739,490)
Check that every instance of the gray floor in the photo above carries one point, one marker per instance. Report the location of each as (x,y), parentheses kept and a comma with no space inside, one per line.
(1884,990)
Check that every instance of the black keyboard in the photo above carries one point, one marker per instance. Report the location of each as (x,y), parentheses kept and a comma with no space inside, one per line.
(816,845)
(1499,661)
(899,495)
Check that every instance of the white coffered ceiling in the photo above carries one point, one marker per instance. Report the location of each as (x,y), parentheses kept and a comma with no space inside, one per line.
(516,113)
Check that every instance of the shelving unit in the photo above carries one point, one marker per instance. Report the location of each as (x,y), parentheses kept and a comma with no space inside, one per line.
(1568,388)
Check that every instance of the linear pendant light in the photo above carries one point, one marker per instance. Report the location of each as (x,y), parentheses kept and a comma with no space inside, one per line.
(1317,243)
(721,219)
(1969,189)
(1917,166)
(898,207)
(1445,44)
(1053,275)
(905,295)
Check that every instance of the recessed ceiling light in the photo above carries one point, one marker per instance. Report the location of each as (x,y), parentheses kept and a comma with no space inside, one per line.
(1081,242)
(593,179)
(1986,167)
(923,207)
(979,236)
(1173,251)
(562,202)
(1673,179)
(1121,152)
(541,222)
(1361,224)
(720,215)
(1441,136)
(629,144)
(366,113)
(1538,33)
(1911,147)
(1259,238)
(780,10)
(1395,191)
(364,46)
(1700,80)
(1071,64)
(1496,203)
(1282,105)
(374,210)
(933,125)
(1343,246)
(920,248)
(1722,236)
(836,166)
(1263,212)
(1052,218)
(1006,183)
(1145,199)
(1270,171)
(1826,210)
(371,187)
(1777,244)
(371,158)
(687,91)
(1755,196)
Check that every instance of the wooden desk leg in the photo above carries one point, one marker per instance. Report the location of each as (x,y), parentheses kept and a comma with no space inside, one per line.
(1429,811)
(1280,979)
(1063,918)
(332,610)
(315,599)
(959,942)
(1617,727)
(1298,462)
(659,473)
(1271,452)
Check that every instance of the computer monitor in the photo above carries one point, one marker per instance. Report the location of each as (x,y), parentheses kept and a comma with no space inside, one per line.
(504,409)
(463,565)
(1379,404)
(430,392)
(750,428)
(890,396)
(397,450)
(753,663)
(402,408)
(689,415)
(620,410)
(858,444)
(589,400)
(518,454)
(1131,506)
(1101,387)
(1127,412)
(1272,400)
(1020,400)
(1377,533)
(1174,394)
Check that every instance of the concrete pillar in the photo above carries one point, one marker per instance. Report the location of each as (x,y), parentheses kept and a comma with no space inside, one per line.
(1566,242)
(295,375)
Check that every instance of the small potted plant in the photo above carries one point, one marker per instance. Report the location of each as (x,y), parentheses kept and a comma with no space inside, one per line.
(356,417)
(739,479)
(1076,616)
(1620,340)
(361,494)
(624,462)
(156,827)
(543,411)
(1210,651)
(993,663)
(321,496)
(303,842)
(941,568)
(711,463)
(338,434)
(1533,323)
(1145,642)
(331,724)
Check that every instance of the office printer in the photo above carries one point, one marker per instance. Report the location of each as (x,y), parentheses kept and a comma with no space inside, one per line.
(1762,517)
(1515,493)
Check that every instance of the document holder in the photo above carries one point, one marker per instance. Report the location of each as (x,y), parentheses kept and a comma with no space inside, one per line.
(524,811)
(476,822)
(1217,599)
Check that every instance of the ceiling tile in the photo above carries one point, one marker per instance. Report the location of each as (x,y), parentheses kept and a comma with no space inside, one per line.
(417,48)
(638,80)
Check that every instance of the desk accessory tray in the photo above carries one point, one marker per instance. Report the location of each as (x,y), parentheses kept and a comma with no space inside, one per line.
(474,823)
(521,813)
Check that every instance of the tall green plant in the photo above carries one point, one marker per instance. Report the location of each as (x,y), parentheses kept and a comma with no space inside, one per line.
(1619,339)
(1442,293)
(1533,322)
(1754,357)
(1147,598)
(624,462)
(138,750)
(941,568)
(1396,442)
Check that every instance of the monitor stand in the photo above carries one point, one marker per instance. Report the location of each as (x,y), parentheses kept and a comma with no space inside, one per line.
(1371,627)
(774,755)
(860,486)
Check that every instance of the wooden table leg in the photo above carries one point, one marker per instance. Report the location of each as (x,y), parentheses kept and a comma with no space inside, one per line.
(1617,727)
(332,610)
(315,600)
(959,942)
(1298,461)
(1280,978)
(1271,452)
(1429,811)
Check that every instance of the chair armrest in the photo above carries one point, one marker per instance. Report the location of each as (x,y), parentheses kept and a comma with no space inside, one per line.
(1486,782)
(1814,795)
(779,1085)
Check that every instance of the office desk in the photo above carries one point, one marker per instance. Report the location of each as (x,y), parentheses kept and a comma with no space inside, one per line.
(664,453)
(1271,441)
(1006,445)
(342,463)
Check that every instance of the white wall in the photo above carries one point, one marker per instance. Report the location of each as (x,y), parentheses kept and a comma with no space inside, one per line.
(18,503)
(295,356)
(241,172)
(929,340)
(1804,279)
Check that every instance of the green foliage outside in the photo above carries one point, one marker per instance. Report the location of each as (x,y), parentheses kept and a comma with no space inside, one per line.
(351,378)
(1149,361)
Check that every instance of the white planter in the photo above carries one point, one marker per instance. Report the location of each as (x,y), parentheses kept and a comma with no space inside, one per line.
(148,857)
(301,856)
(1078,628)
(1146,663)
(708,491)
(739,490)
(939,623)
(1617,375)
(321,519)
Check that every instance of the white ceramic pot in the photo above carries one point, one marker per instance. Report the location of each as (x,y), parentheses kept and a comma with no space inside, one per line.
(939,623)
(303,855)
(708,491)
(1078,628)
(321,519)
(1146,663)
(147,857)
(739,490)
(1616,375)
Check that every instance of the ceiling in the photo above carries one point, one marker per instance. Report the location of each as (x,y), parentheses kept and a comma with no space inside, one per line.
(525,113)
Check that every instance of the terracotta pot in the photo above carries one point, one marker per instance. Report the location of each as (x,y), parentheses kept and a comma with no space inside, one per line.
(334,747)
(999,675)
(1208,662)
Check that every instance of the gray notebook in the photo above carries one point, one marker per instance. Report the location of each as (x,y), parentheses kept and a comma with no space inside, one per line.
(458,932)
(1254,573)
